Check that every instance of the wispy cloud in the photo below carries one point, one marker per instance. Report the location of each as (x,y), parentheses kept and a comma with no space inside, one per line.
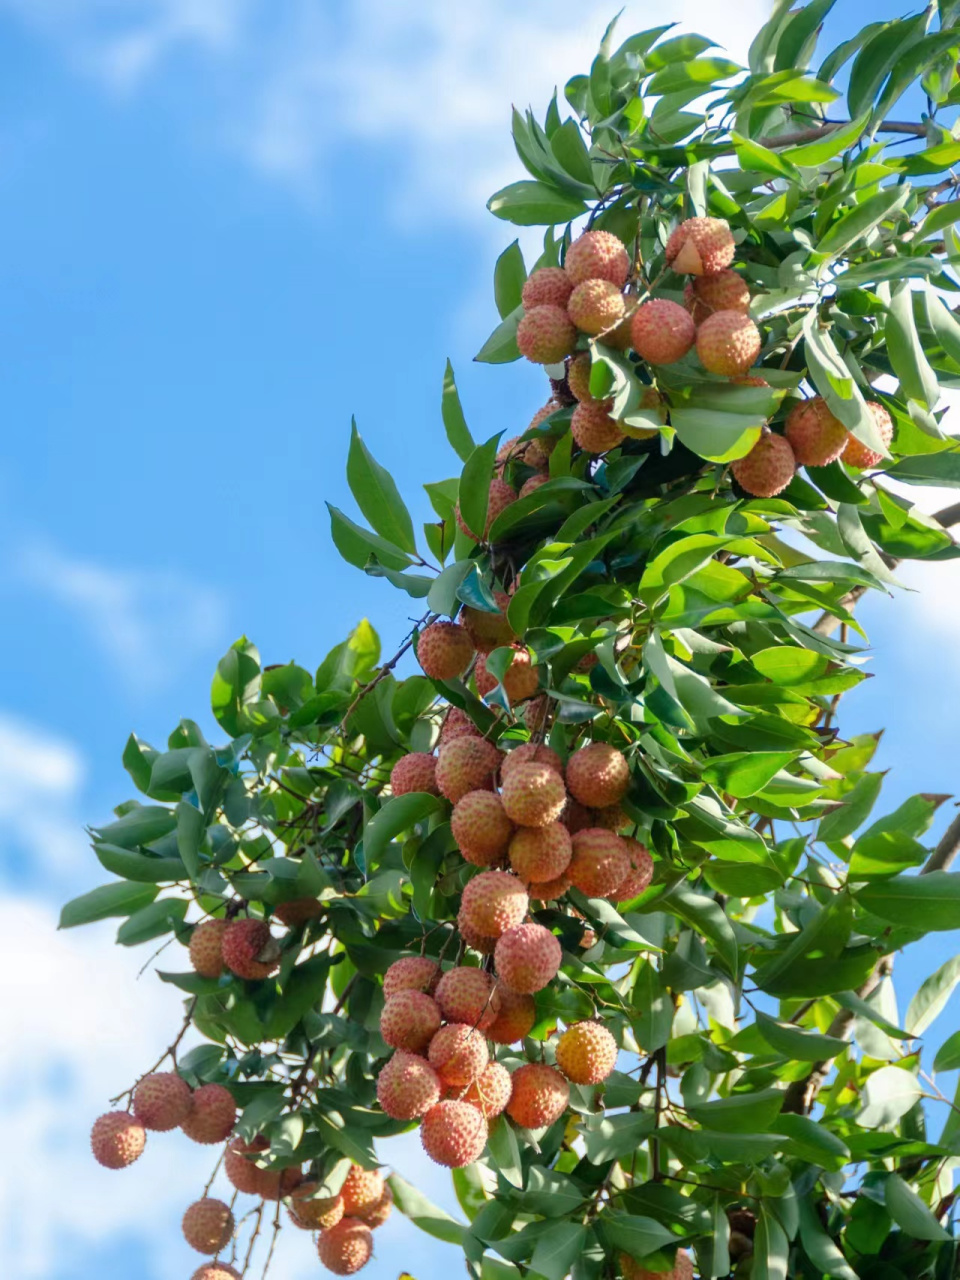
(40,779)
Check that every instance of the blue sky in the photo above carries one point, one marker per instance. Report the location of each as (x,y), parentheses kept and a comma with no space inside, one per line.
(226,227)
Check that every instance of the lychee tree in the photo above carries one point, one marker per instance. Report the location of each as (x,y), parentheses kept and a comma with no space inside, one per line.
(604,899)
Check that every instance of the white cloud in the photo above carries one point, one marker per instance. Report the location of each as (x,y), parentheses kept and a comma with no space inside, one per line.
(40,780)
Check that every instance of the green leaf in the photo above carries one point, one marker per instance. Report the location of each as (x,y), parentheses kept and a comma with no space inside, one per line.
(505,1152)
(152,921)
(813,1141)
(948,1055)
(715,435)
(139,866)
(458,433)
(930,1000)
(509,277)
(696,1145)
(771,1249)
(917,379)
(877,59)
(796,1043)
(707,917)
(534,204)
(824,149)
(928,903)
(887,1094)
(400,813)
(571,153)
(823,1253)
(142,824)
(557,1250)
(909,1211)
(377,496)
(636,1235)
(302,991)
(501,347)
(678,561)
(357,545)
(610,1137)
(753,1110)
(858,221)
(853,810)
(108,900)
(474,491)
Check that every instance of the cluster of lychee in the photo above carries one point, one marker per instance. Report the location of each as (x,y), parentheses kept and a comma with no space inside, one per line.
(446,649)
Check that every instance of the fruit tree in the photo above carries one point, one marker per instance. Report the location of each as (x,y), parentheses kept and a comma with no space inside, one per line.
(601,897)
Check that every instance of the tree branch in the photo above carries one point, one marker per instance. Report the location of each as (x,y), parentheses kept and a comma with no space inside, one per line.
(830,126)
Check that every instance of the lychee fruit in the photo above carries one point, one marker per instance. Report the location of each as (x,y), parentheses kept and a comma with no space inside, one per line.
(481,827)
(378,1213)
(816,436)
(487,630)
(444,650)
(500,497)
(162,1101)
(532,485)
(516,1016)
(768,468)
(457,724)
(208,1225)
(530,753)
(466,764)
(682,1268)
(527,958)
(536,713)
(249,949)
(726,291)
(240,1170)
(411,973)
(533,795)
(468,995)
(117,1139)
(346,1247)
(407,1087)
(546,287)
(578,376)
(540,1096)
(213,1114)
(593,429)
(361,1190)
(473,938)
(458,1053)
(595,306)
(546,335)
(299,911)
(640,874)
(597,255)
(311,1212)
(490,1092)
(611,816)
(856,453)
(216,1271)
(510,451)
(600,862)
(454,1133)
(700,247)
(541,854)
(598,775)
(662,331)
(520,680)
(206,942)
(409,1020)
(575,816)
(493,902)
(586,1053)
(549,890)
(728,342)
(416,771)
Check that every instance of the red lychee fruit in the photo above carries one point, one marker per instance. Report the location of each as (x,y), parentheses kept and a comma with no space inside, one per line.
(661,331)
(546,287)
(530,753)
(610,816)
(240,1169)
(500,497)
(533,795)
(536,713)
(411,973)
(575,816)
(347,1247)
(856,453)
(213,1114)
(598,775)
(493,902)
(466,764)
(596,306)
(701,247)
(378,1213)
(298,911)
(600,862)
(593,429)
(458,1053)
(470,996)
(527,958)
(490,1092)
(540,1096)
(532,485)
(454,1133)
(520,680)
(586,1053)
(816,436)
(518,1013)
(578,376)
(407,1087)
(117,1139)
(216,1271)
(249,949)
(749,380)
(768,468)
(416,771)
(481,828)
(597,255)
(726,291)
(362,1189)
(473,938)
(208,1225)
(682,1268)
(549,890)
(444,650)
(640,874)
(546,335)
(206,954)
(728,342)
(489,631)
(311,1212)
(457,724)
(409,1020)
(162,1101)
(541,854)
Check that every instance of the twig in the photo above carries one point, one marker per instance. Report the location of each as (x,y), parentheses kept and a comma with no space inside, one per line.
(830,126)
(273,1242)
(382,673)
(253,1238)
(216,1170)
(169,1052)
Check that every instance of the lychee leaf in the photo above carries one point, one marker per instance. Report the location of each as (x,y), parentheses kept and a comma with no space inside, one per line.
(501,347)
(400,813)
(509,277)
(377,496)
(474,490)
(451,410)
(535,204)
(357,545)
(415,1206)
(114,899)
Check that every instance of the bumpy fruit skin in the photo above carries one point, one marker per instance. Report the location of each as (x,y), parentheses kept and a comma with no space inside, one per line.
(206,948)
(444,650)
(162,1101)
(592,427)
(468,995)
(682,1269)
(857,454)
(318,1214)
(598,775)
(362,1189)
(517,1015)
(597,255)
(527,958)
(466,764)
(378,1213)
(540,854)
(489,630)
(458,1053)
(728,342)
(521,679)
(481,827)
(816,436)
(454,1133)
(416,771)
(208,1225)
(407,1087)
(726,291)
(547,287)
(248,949)
(530,753)
(533,795)
(586,1053)
(768,468)
(701,247)
(550,890)
(473,937)
(546,335)
(575,816)
(532,485)
(491,1090)
(298,911)
(578,376)
(610,816)
(493,902)
(212,1115)
(412,973)
(596,306)
(240,1170)
(500,497)
(600,862)
(536,713)
(216,1271)
(662,331)
(409,1020)
(540,1096)
(640,874)
(117,1139)
(457,724)
(347,1247)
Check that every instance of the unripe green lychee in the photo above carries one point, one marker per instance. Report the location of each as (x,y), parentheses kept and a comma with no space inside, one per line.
(206,948)
(540,1096)
(546,287)
(454,1133)
(527,958)
(768,468)
(640,874)
(533,795)
(311,1212)
(578,376)
(518,1013)
(493,902)
(162,1101)
(213,1113)
(347,1247)
(409,1020)
(444,650)
(816,437)
(470,996)
(597,255)
(249,949)
(208,1225)
(500,497)
(600,862)
(586,1053)
(700,247)
(407,1087)
(728,342)
(596,306)
(598,775)
(466,764)
(416,771)
(481,827)
(726,291)
(546,335)
(117,1139)
(662,331)
(541,854)
(411,973)
(458,1053)
(856,453)
(593,428)
(362,1189)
